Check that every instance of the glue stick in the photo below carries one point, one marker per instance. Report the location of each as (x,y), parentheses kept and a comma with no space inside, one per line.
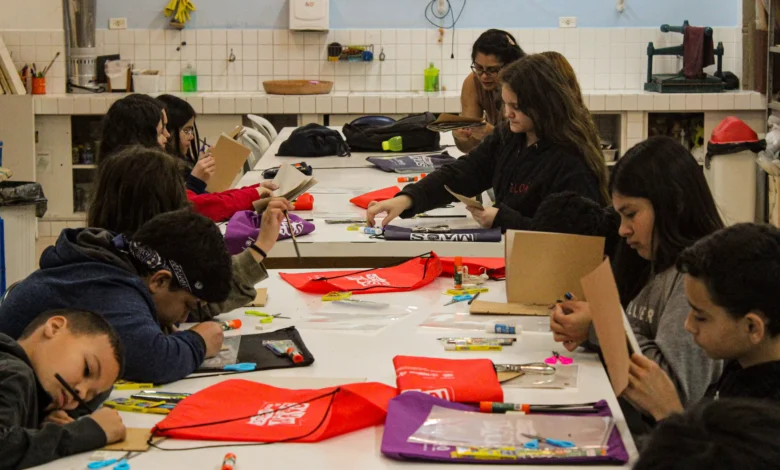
(407,179)
(230,324)
(458,272)
(229,461)
(502,328)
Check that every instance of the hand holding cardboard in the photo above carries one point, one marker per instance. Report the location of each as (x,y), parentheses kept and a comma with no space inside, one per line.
(465,200)
(611,324)
(229,156)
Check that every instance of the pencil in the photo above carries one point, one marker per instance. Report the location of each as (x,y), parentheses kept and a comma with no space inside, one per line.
(474,298)
(292,235)
(75,394)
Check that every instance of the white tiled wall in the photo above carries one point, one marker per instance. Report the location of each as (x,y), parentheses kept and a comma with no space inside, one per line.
(604,58)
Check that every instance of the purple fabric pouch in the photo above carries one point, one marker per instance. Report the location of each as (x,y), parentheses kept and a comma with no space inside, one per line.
(393,232)
(244,227)
(408,411)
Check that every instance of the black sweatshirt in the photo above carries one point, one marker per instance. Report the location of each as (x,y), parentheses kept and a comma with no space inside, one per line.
(23,401)
(521,176)
(761,381)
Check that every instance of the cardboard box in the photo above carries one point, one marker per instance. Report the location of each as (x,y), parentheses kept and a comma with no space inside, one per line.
(540,269)
(230,157)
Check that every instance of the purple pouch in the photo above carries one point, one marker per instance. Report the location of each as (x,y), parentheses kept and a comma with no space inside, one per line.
(244,227)
(412,163)
(393,232)
(408,411)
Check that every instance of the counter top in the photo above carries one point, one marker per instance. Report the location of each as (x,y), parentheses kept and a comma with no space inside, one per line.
(377,102)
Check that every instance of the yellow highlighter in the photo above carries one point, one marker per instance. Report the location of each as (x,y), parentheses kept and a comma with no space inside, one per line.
(125,385)
(473,347)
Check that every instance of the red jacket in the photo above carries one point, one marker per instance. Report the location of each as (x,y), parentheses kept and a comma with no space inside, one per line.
(221,206)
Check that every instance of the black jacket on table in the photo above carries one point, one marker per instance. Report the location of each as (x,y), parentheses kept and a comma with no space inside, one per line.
(521,176)
(23,401)
(761,381)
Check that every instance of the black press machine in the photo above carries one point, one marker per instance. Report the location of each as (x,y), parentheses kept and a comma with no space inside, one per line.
(679,83)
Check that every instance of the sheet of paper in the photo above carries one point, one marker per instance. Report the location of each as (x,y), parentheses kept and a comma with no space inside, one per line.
(465,200)
(604,300)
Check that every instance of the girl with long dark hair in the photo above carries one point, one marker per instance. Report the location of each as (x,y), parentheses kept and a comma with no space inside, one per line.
(665,206)
(547,145)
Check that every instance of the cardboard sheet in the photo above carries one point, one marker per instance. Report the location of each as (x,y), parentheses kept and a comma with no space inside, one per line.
(540,269)
(229,156)
(465,200)
(135,441)
(261,298)
(608,315)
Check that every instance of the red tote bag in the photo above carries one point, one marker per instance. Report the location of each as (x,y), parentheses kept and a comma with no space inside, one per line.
(379,195)
(409,275)
(457,380)
(240,410)
(494,267)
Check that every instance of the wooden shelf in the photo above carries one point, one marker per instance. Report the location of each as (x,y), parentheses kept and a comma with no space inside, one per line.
(84,167)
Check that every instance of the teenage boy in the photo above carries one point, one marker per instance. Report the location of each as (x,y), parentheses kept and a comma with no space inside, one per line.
(143,286)
(732,282)
(59,352)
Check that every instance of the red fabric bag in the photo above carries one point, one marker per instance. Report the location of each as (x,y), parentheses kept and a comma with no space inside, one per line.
(457,380)
(379,195)
(409,275)
(241,410)
(494,267)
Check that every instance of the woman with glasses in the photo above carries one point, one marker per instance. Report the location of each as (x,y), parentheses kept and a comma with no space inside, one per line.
(546,144)
(481,94)
(184,142)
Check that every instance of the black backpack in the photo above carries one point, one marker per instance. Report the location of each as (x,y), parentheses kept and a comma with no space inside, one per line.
(365,137)
(314,140)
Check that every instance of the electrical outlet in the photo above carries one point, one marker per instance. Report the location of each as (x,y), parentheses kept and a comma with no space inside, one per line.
(43,163)
(567,21)
(117,23)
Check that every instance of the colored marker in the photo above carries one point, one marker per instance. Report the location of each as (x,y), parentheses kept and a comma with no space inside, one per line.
(501,328)
(229,462)
(407,179)
(497,407)
(294,355)
(473,347)
(230,324)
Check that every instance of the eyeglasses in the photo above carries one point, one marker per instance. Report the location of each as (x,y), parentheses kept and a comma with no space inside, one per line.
(188,131)
(490,72)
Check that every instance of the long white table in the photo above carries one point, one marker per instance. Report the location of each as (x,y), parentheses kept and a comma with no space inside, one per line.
(337,185)
(346,357)
(357,160)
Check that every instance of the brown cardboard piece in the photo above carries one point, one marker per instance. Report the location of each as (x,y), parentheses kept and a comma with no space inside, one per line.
(135,441)
(608,315)
(229,156)
(292,183)
(261,298)
(540,269)
(465,200)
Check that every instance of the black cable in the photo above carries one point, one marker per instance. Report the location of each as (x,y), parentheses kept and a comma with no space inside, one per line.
(332,395)
(429,9)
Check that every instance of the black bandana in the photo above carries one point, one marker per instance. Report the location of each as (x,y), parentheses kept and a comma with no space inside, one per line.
(154,262)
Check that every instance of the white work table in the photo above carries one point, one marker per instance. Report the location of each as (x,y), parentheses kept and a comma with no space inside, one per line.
(346,357)
(331,201)
(357,160)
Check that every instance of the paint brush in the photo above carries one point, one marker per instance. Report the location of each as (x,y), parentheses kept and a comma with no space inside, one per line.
(292,235)
(46,70)
(75,394)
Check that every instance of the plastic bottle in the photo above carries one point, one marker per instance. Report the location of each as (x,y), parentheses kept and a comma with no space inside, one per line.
(189,80)
(395,144)
(431,78)
(458,272)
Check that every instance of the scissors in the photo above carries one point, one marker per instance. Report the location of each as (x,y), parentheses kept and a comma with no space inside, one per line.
(121,463)
(533,444)
(265,317)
